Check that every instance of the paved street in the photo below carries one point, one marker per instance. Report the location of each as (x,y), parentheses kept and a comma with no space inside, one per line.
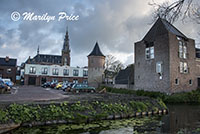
(31,93)
(39,95)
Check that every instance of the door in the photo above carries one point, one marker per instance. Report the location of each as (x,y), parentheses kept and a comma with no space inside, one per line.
(32,81)
(43,80)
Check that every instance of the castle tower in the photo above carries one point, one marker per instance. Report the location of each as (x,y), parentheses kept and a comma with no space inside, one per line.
(66,51)
(96,62)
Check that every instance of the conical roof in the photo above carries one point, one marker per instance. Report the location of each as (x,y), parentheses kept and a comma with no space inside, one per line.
(96,51)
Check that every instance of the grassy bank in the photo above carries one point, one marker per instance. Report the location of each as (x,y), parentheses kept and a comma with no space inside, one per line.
(77,112)
(184,97)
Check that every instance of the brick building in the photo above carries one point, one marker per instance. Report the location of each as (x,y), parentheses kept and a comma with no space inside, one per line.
(166,60)
(8,68)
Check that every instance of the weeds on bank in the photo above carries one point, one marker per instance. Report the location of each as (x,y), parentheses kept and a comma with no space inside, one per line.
(78,112)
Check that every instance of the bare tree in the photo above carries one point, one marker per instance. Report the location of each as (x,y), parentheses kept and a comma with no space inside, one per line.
(176,10)
(112,67)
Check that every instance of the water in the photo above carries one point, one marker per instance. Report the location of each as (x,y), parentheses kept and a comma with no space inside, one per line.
(182,119)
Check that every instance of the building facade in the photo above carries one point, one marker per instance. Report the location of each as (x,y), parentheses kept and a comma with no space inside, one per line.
(96,66)
(8,68)
(36,74)
(165,60)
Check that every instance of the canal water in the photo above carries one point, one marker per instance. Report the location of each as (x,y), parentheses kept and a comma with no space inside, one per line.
(181,119)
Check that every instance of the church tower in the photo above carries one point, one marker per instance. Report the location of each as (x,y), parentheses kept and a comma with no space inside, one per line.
(96,63)
(66,51)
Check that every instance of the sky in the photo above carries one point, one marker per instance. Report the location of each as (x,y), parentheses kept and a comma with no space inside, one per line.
(115,24)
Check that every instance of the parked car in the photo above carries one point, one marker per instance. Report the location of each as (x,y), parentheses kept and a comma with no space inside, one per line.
(53,84)
(4,88)
(67,86)
(82,88)
(8,82)
(2,84)
(46,84)
(59,85)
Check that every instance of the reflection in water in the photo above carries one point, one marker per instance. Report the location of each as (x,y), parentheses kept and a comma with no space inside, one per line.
(181,118)
(185,117)
(127,130)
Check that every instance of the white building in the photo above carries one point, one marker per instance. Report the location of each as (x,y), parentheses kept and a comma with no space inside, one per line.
(37,74)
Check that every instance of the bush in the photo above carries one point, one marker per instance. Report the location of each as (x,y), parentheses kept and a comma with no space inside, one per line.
(184,97)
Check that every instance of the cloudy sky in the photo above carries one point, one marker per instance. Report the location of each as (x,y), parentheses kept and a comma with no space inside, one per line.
(115,24)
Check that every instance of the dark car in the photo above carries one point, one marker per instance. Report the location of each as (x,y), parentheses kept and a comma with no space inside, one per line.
(53,84)
(82,88)
(46,84)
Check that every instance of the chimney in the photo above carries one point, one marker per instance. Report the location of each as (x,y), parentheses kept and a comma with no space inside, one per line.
(7,59)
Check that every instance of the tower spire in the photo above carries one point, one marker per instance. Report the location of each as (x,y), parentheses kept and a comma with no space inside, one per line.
(38,50)
(66,41)
(66,50)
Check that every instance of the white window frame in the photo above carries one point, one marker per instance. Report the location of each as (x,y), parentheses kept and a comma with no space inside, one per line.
(159,67)
(183,67)
(9,70)
(182,48)
(32,70)
(66,72)
(75,72)
(191,82)
(55,71)
(149,53)
(44,70)
(177,81)
(85,73)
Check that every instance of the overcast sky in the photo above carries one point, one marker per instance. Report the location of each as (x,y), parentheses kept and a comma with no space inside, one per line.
(115,24)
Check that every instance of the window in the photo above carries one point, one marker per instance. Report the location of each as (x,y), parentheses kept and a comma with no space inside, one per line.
(149,53)
(176,81)
(183,67)
(182,48)
(190,82)
(9,70)
(159,67)
(75,72)
(85,73)
(32,70)
(66,72)
(44,70)
(55,71)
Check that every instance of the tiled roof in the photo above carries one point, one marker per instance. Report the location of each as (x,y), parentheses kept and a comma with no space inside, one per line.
(46,59)
(10,62)
(124,75)
(96,51)
(160,27)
